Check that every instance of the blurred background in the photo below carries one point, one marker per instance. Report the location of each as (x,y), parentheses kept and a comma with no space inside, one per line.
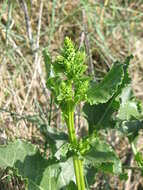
(109,30)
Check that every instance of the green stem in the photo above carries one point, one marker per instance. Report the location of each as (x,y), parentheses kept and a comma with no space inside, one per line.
(135,151)
(78,164)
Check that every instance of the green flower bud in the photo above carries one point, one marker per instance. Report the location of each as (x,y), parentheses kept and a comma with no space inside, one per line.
(69,83)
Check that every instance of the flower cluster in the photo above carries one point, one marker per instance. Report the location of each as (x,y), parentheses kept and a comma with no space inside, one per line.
(68,82)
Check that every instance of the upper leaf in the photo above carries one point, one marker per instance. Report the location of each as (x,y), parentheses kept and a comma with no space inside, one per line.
(126,80)
(114,93)
(100,116)
(113,82)
(123,112)
(103,91)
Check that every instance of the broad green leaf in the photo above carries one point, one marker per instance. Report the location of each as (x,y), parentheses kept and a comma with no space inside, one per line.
(139,159)
(42,174)
(67,174)
(70,186)
(123,176)
(123,110)
(90,173)
(27,160)
(130,128)
(54,137)
(129,119)
(103,91)
(126,80)
(100,155)
(113,83)
(62,152)
(129,106)
(59,66)
(126,94)
(100,116)
(128,110)
(115,90)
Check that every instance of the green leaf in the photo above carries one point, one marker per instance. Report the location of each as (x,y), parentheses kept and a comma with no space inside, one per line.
(130,128)
(54,137)
(129,119)
(70,186)
(126,80)
(128,110)
(113,90)
(101,156)
(103,91)
(48,61)
(123,176)
(129,106)
(63,151)
(113,83)
(139,159)
(58,64)
(67,174)
(100,116)
(42,174)
(90,173)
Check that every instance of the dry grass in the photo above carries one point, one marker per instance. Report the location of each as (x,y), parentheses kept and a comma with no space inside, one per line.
(110,30)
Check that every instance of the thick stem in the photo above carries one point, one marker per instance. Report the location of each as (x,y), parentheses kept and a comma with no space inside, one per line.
(78,164)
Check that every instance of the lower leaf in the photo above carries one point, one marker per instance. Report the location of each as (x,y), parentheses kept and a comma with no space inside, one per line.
(42,174)
(101,156)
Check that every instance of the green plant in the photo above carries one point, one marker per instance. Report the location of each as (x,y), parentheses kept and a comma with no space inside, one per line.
(69,86)
(109,104)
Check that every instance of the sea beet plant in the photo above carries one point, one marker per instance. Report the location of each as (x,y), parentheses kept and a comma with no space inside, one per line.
(108,105)
(69,85)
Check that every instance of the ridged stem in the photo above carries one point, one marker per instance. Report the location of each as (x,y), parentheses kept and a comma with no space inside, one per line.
(78,164)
